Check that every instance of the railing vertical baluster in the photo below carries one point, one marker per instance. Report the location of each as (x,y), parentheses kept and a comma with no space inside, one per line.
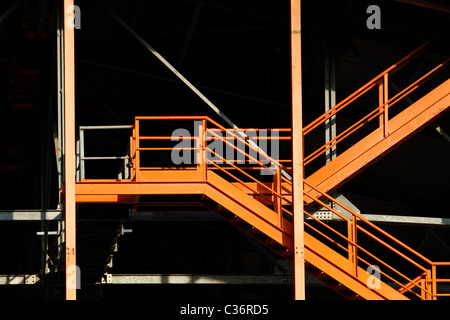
(138,153)
(423,289)
(77,153)
(383,98)
(428,281)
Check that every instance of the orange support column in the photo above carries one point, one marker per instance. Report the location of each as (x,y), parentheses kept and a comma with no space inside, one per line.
(69,151)
(297,150)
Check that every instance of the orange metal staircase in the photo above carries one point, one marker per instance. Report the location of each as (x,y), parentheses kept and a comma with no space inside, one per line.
(262,209)
(233,186)
(390,132)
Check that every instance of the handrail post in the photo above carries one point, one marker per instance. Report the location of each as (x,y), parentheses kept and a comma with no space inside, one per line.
(352,247)
(423,289)
(386,105)
(137,163)
(82,169)
(428,285)
(200,146)
(133,154)
(383,99)
(297,150)
(433,282)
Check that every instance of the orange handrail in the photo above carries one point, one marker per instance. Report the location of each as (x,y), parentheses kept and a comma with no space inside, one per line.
(411,283)
(384,102)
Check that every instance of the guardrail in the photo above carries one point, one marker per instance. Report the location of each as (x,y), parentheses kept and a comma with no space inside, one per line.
(356,242)
(82,158)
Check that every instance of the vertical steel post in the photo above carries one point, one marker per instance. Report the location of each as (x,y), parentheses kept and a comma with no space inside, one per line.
(381,105)
(60,95)
(69,152)
(297,150)
(330,100)
(433,282)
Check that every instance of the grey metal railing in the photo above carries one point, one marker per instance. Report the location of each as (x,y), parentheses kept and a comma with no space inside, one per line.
(82,158)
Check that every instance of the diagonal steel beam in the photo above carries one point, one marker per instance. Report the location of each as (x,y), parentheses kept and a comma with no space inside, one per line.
(10,11)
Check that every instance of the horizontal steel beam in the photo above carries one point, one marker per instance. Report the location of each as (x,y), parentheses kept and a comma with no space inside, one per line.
(387,219)
(23,279)
(193,279)
(31,215)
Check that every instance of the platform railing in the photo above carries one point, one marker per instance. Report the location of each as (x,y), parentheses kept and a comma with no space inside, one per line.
(356,241)
(210,146)
(82,158)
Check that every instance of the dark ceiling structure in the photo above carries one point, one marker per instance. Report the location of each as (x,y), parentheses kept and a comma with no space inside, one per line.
(237,53)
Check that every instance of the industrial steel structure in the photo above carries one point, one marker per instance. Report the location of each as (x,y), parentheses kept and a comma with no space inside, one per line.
(289,150)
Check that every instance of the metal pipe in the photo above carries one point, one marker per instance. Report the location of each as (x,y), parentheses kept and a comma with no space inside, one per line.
(82,157)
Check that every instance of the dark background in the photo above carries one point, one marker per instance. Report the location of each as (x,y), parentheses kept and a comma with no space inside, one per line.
(238,54)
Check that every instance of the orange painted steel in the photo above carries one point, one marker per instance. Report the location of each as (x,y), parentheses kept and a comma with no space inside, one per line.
(240,195)
(69,153)
(390,133)
(376,144)
(263,206)
(381,111)
(373,83)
